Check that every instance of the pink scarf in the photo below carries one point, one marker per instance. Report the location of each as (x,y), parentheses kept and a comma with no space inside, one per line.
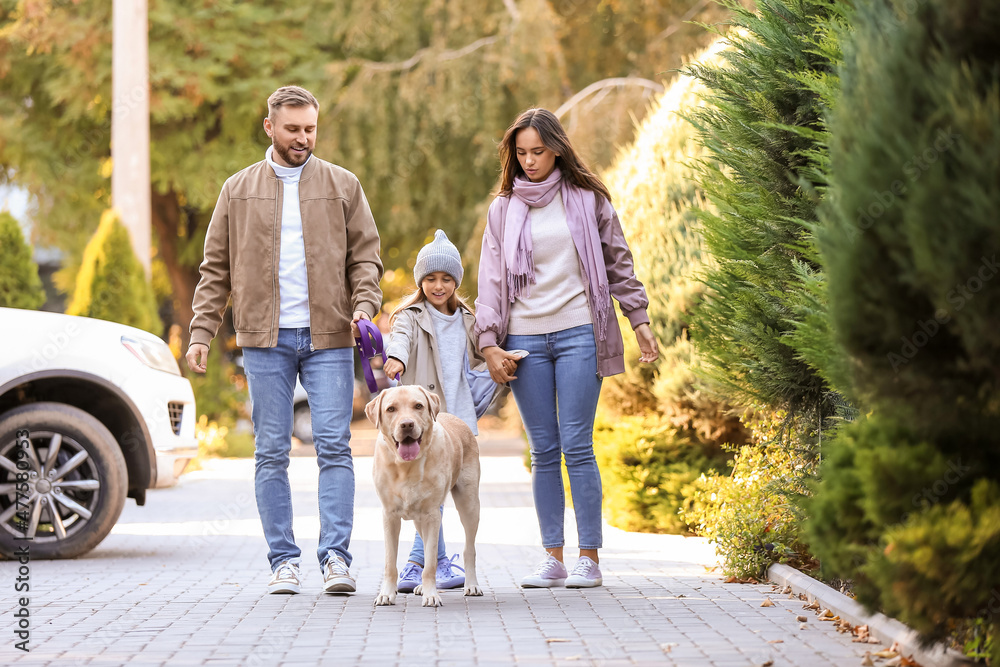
(582,222)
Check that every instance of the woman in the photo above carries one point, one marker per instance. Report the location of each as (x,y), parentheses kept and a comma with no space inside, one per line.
(553,256)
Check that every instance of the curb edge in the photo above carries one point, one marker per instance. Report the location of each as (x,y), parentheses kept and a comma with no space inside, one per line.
(880,626)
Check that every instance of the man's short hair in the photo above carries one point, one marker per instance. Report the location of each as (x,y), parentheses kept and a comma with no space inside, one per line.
(293,96)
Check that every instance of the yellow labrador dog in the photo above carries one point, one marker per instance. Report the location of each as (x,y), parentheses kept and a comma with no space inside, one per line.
(420,455)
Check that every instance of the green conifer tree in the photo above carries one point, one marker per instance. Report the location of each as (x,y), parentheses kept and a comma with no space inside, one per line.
(657,199)
(20,286)
(909,504)
(111,284)
(763,123)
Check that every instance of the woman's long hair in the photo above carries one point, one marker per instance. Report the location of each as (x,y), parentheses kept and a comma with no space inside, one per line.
(416,297)
(554,138)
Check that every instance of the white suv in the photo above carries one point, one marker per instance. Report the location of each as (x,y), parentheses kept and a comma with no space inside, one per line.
(91,412)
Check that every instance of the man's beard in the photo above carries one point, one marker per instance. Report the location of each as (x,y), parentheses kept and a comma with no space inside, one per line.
(289,157)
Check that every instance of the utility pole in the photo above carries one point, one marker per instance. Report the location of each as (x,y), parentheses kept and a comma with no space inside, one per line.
(130,179)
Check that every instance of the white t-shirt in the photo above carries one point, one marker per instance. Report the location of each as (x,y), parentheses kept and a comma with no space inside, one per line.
(293,285)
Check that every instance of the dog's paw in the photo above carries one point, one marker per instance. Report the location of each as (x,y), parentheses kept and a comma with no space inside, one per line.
(432,600)
(419,590)
(473,590)
(384,599)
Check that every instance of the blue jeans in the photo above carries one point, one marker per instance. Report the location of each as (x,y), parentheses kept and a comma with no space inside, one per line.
(417,552)
(328,378)
(556,391)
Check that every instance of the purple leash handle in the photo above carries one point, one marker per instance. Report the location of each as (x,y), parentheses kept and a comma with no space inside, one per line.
(369,345)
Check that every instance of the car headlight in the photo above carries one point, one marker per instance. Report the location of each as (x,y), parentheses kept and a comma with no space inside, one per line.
(155,354)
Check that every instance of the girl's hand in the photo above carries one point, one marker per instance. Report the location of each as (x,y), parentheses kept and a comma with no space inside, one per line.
(501,363)
(650,352)
(392,367)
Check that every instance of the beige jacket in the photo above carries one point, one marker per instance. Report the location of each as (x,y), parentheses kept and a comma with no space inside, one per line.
(243,246)
(413,342)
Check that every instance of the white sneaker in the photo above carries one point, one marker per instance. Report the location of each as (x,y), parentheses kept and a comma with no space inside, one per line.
(585,574)
(550,572)
(336,577)
(286,579)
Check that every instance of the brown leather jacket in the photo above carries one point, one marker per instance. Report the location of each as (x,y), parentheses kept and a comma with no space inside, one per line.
(243,244)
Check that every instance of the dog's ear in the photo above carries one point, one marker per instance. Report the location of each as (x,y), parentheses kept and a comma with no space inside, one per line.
(433,402)
(374,409)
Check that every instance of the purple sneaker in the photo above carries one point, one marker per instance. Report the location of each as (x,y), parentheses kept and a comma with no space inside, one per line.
(550,572)
(585,574)
(409,578)
(446,575)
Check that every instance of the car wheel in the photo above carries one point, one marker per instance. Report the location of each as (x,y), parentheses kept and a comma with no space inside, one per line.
(67,490)
(302,423)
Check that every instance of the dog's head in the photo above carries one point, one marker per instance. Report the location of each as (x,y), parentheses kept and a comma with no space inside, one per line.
(404,415)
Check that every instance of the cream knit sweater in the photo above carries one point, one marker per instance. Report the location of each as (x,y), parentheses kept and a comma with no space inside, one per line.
(558,300)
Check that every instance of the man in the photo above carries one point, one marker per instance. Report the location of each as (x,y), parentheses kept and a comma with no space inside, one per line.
(293,241)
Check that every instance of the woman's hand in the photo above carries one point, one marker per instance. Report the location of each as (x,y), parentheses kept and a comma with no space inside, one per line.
(649,351)
(502,364)
(392,367)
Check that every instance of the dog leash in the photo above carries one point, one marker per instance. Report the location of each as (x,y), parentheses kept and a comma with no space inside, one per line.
(370,345)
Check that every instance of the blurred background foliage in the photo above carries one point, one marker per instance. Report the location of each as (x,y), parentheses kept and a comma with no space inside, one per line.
(414,97)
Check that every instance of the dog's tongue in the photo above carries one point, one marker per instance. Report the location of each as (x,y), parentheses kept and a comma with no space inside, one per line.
(408,449)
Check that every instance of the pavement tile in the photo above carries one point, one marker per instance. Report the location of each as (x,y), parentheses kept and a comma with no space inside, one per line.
(191,591)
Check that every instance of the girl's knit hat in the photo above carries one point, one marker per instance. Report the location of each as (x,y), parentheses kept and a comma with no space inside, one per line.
(439,255)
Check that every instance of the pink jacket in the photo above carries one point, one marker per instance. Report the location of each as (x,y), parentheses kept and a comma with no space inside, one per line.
(493,306)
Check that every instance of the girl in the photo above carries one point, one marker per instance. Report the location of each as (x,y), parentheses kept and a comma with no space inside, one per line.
(431,343)
(553,256)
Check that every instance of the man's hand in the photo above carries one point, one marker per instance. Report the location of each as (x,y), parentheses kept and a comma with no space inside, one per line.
(197,357)
(358,315)
(649,351)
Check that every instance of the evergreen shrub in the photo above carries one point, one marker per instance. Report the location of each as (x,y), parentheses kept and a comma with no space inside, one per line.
(763,133)
(909,503)
(646,465)
(20,286)
(111,284)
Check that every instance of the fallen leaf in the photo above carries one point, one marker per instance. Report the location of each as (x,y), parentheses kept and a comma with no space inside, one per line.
(767,603)
(826,613)
(553,640)
(888,653)
(867,662)
(791,596)
(788,589)
(775,641)
(803,626)
(666,648)
(766,664)
(812,605)
(801,619)
(895,662)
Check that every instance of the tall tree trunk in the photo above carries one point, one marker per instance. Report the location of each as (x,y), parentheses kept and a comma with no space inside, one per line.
(167,219)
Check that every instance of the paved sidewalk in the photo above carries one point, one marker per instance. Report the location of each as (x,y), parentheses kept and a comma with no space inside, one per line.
(182,582)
